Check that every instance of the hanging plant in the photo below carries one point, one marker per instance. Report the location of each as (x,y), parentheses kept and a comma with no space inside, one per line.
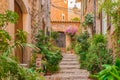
(89,19)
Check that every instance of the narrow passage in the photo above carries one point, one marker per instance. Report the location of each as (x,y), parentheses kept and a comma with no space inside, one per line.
(70,69)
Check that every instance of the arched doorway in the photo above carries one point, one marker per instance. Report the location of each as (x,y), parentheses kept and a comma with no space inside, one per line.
(19,52)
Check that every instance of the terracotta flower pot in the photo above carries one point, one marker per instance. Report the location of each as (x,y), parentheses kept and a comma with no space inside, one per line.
(72,52)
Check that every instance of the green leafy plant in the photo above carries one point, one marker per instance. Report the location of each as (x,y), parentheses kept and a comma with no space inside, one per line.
(9,16)
(82,46)
(22,36)
(98,54)
(89,19)
(52,54)
(99,38)
(110,72)
(75,19)
(52,68)
(54,34)
(4,38)
(10,69)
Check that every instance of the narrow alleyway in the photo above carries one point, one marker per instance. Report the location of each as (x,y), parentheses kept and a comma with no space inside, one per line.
(70,69)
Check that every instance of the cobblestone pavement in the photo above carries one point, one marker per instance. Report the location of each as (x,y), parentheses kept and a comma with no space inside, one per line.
(70,69)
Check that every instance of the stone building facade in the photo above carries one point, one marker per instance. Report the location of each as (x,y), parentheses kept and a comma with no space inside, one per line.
(59,10)
(33,16)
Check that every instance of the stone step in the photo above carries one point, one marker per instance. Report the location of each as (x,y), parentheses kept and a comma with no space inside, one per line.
(67,55)
(69,63)
(69,66)
(73,71)
(67,77)
(70,56)
(69,60)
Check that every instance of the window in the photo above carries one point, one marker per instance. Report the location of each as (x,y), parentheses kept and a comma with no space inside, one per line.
(63,17)
(65,1)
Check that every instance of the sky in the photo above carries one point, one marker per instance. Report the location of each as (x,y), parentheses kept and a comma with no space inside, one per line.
(71,4)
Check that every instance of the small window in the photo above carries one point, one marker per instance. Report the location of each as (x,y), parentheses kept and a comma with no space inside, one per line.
(63,17)
(65,1)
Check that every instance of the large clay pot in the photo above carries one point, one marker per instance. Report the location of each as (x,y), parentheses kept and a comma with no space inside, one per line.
(72,51)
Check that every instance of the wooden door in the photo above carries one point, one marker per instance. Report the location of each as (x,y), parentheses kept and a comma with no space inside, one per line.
(61,40)
(19,25)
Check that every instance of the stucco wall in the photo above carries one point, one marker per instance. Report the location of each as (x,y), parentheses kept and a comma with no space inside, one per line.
(3,5)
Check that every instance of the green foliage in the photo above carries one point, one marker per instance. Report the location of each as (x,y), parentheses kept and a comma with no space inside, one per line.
(117,63)
(99,38)
(98,54)
(88,20)
(52,68)
(82,43)
(9,16)
(54,34)
(21,36)
(76,19)
(52,54)
(54,58)
(10,69)
(83,37)
(111,72)
(82,46)
(4,38)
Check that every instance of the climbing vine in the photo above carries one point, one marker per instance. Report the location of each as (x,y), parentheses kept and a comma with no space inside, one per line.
(112,8)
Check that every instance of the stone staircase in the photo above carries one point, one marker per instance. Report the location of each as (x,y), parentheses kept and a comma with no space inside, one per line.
(70,69)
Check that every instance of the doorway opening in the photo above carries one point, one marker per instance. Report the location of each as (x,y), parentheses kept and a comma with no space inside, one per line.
(19,51)
(61,40)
